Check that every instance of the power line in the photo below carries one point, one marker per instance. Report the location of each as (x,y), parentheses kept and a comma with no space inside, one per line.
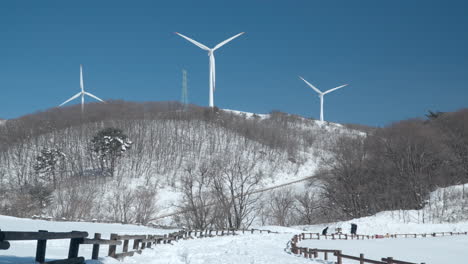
(252,192)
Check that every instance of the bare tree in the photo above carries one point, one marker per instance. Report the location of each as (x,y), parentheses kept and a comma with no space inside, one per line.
(197,199)
(120,203)
(306,208)
(234,187)
(281,204)
(145,204)
(75,200)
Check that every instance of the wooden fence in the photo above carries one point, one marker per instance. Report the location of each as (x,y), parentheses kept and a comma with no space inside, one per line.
(327,253)
(139,242)
(42,236)
(339,236)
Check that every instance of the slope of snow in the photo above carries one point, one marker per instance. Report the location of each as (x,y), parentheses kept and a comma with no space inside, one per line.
(445,211)
(247,114)
(388,222)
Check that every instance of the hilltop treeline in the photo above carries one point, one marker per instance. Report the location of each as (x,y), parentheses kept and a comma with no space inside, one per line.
(397,166)
(271,131)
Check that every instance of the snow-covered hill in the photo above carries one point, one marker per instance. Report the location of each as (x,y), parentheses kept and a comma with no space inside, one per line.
(280,147)
(446,210)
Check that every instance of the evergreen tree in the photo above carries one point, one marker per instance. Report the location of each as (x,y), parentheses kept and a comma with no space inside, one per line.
(433,115)
(110,144)
(48,163)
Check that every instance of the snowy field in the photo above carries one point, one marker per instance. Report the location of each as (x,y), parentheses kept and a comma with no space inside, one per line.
(433,250)
(403,222)
(24,251)
(256,248)
(252,248)
(430,250)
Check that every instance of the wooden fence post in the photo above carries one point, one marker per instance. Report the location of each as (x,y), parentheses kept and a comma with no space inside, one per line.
(148,244)
(41,249)
(4,245)
(338,257)
(125,246)
(361,258)
(74,247)
(143,244)
(95,254)
(112,248)
(136,243)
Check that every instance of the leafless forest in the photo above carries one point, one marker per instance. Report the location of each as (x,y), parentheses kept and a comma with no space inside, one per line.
(214,159)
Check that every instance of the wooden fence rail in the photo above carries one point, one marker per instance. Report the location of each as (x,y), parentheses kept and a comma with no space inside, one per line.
(42,236)
(314,252)
(77,238)
(339,236)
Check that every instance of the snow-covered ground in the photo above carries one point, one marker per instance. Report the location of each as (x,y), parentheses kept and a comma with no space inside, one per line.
(433,250)
(256,248)
(251,248)
(430,250)
(247,114)
(24,251)
(388,222)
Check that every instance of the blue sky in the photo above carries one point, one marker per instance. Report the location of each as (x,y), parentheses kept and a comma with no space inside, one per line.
(401,58)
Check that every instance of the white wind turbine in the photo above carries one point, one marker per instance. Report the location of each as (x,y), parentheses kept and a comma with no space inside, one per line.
(82,93)
(212,61)
(321,94)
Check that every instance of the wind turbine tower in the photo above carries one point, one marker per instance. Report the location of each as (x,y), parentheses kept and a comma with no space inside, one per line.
(321,94)
(212,61)
(184,89)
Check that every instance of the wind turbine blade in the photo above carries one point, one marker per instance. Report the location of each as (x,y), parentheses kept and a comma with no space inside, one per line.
(194,42)
(311,86)
(226,41)
(81,78)
(93,96)
(72,98)
(336,88)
